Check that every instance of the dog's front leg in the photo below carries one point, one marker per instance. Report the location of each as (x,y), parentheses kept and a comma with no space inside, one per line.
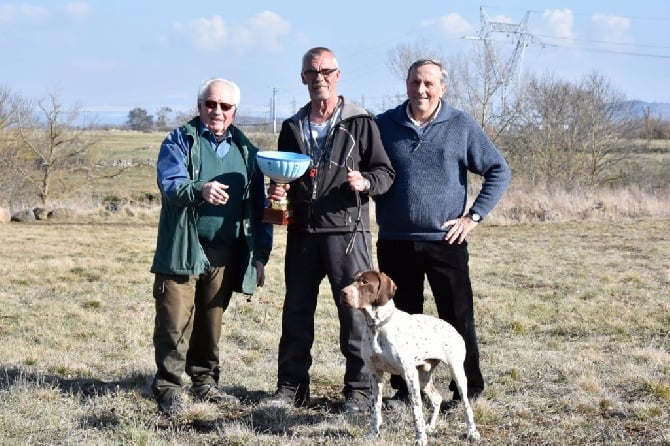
(377,384)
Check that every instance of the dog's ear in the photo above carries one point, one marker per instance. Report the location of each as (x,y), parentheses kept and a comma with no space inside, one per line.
(357,275)
(387,289)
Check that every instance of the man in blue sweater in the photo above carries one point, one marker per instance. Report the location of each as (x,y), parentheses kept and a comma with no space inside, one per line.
(423,220)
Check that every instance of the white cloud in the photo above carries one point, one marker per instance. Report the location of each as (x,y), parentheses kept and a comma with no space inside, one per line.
(452,25)
(7,12)
(210,34)
(79,10)
(31,11)
(560,22)
(268,27)
(611,27)
(502,19)
(10,12)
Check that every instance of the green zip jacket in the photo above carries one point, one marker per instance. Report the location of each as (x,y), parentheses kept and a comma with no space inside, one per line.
(178,249)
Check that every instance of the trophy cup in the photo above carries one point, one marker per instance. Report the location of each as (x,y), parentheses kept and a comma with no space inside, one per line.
(282,168)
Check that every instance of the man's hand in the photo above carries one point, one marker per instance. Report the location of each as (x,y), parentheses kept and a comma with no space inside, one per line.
(460,227)
(215,193)
(356,181)
(277,191)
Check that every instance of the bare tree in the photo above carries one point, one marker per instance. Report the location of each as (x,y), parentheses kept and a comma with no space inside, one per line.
(11,107)
(570,134)
(52,153)
(162,123)
(607,122)
(400,57)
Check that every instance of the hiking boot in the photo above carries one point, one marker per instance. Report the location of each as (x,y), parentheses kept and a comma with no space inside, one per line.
(399,401)
(288,396)
(455,402)
(172,404)
(209,393)
(356,402)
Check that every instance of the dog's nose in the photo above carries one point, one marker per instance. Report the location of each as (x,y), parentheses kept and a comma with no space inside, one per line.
(343,295)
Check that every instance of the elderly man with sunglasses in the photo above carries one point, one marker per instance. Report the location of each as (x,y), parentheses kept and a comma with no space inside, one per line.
(329,235)
(211,241)
(423,220)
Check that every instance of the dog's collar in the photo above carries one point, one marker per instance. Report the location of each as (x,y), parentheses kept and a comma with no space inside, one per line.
(376,326)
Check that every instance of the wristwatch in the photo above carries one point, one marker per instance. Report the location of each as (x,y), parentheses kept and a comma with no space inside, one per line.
(475,217)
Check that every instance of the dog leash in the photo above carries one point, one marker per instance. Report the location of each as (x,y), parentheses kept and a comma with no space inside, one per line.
(358,223)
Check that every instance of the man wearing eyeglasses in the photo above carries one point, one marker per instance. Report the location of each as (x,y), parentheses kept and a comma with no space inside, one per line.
(423,221)
(211,242)
(329,235)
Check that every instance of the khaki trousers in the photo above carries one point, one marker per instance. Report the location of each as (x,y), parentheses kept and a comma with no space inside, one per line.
(189,312)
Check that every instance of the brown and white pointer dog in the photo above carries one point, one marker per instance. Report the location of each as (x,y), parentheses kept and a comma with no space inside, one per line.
(408,345)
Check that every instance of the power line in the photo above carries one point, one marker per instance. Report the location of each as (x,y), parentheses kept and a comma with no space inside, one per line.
(621,53)
(579,13)
(607,42)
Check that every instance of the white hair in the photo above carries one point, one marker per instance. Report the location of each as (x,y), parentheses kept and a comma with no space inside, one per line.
(204,89)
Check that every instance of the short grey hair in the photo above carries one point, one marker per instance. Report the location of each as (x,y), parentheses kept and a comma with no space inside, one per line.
(427,61)
(315,52)
(204,89)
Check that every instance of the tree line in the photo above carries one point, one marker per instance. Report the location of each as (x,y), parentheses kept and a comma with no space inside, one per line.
(553,132)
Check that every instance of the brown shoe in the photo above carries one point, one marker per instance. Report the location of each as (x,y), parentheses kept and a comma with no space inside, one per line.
(172,404)
(211,394)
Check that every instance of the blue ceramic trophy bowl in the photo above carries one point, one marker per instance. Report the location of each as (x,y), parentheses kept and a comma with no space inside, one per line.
(282,167)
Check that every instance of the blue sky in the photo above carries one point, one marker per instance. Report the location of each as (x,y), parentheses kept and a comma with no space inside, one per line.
(109,56)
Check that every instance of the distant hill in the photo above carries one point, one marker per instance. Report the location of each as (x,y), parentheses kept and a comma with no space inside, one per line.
(657,109)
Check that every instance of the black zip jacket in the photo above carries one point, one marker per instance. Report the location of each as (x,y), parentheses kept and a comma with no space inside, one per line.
(321,200)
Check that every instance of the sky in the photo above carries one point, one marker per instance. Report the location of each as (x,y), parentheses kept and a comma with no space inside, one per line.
(110,56)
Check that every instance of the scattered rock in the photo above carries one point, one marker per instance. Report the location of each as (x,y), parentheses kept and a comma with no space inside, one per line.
(40,213)
(5,215)
(61,213)
(24,216)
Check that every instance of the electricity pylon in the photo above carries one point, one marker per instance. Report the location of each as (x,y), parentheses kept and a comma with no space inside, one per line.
(505,70)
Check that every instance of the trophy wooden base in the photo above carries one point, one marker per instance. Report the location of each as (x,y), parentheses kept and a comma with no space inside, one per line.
(276,216)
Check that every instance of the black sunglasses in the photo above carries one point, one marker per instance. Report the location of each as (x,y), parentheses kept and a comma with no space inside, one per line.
(324,72)
(213,104)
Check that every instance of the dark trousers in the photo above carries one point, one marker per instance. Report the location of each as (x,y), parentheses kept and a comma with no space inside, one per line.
(309,259)
(446,268)
(187,328)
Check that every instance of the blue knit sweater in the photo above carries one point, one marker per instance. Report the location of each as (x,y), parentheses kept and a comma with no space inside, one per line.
(431,165)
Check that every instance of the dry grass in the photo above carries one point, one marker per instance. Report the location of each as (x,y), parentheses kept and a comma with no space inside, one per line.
(572,303)
(573,322)
(125,144)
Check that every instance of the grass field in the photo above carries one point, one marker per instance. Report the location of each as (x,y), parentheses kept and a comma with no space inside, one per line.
(573,319)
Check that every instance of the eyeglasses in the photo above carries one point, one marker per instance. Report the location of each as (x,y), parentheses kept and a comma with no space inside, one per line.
(213,104)
(324,72)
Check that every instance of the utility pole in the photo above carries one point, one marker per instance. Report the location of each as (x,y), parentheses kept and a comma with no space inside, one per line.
(274,110)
